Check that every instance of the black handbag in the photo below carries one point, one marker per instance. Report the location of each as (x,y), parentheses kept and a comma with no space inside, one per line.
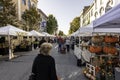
(32,77)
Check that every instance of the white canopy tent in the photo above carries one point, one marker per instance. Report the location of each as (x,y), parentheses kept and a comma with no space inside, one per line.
(107,30)
(75,33)
(86,30)
(11,31)
(109,22)
(47,34)
(36,34)
(29,34)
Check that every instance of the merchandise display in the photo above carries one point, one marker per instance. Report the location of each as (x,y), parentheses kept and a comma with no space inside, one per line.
(102,65)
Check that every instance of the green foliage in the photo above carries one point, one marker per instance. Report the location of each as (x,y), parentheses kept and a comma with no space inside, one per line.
(61,33)
(74,25)
(7,12)
(31,18)
(52,24)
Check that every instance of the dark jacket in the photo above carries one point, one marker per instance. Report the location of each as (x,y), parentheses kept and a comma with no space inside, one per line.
(41,41)
(44,68)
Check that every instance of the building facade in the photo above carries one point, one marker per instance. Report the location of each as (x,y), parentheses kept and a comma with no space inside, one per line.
(43,21)
(95,10)
(22,5)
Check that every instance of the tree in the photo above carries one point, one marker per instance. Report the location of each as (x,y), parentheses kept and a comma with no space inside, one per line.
(7,12)
(31,18)
(52,24)
(61,33)
(74,25)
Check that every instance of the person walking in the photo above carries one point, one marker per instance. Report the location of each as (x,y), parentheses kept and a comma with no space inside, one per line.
(44,65)
(67,42)
(42,41)
(72,42)
(36,43)
(59,41)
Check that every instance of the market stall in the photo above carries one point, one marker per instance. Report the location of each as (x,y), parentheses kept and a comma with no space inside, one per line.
(36,36)
(48,37)
(25,43)
(106,47)
(81,52)
(8,32)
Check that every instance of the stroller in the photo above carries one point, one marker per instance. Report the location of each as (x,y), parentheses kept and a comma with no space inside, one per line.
(63,49)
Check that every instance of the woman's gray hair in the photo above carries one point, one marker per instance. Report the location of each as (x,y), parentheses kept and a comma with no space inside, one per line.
(45,48)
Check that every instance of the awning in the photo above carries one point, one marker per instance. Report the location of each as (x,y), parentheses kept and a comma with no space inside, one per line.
(109,22)
(86,30)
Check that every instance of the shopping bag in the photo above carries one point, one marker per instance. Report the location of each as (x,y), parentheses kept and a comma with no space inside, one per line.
(32,77)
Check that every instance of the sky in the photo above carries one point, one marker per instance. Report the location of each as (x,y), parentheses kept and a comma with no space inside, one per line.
(63,10)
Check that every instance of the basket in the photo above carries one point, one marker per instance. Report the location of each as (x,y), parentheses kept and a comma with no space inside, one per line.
(111,39)
(97,39)
(95,49)
(109,50)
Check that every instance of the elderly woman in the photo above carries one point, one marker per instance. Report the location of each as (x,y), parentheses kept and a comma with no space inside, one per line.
(44,65)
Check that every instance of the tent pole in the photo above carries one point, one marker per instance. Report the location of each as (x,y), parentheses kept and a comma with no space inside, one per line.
(10,53)
(32,43)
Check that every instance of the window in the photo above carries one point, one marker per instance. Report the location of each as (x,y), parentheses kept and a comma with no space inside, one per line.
(92,12)
(111,2)
(29,3)
(101,11)
(1,8)
(95,4)
(24,2)
(108,6)
(101,2)
(96,15)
